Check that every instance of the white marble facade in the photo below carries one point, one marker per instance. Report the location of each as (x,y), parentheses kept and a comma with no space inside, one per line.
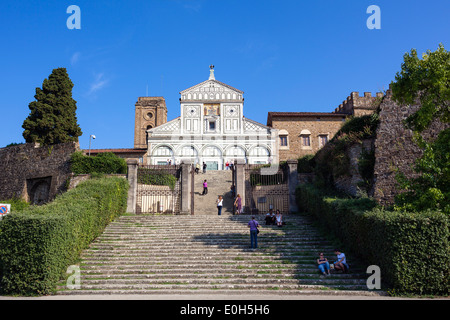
(212,129)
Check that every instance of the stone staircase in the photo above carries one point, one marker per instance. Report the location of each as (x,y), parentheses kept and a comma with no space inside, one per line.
(207,254)
(219,183)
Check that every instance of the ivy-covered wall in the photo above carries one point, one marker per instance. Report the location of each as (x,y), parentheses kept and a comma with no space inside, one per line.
(395,150)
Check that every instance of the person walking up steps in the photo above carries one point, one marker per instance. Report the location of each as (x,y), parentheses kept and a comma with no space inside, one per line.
(205,187)
(238,204)
(253,225)
(219,203)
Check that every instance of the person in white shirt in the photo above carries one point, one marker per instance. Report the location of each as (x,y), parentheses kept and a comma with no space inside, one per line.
(341,263)
(219,203)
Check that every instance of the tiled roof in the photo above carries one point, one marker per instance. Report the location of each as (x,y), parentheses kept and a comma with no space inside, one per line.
(270,115)
(117,150)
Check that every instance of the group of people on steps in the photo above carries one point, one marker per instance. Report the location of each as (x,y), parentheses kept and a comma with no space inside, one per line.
(277,219)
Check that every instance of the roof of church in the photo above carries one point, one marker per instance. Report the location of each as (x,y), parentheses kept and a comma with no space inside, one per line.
(127,150)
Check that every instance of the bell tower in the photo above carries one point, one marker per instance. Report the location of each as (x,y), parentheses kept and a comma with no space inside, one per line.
(150,112)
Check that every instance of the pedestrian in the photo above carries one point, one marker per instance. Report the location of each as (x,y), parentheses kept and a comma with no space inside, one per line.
(323,265)
(204,167)
(205,187)
(269,217)
(233,191)
(341,262)
(197,168)
(279,218)
(253,225)
(227,165)
(238,204)
(219,203)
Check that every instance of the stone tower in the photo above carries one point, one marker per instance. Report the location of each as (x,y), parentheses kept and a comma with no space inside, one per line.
(150,112)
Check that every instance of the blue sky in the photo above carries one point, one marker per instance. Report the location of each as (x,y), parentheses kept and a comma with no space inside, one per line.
(285,55)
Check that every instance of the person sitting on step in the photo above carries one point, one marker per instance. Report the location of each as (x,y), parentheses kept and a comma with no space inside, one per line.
(323,265)
(279,218)
(341,263)
(270,218)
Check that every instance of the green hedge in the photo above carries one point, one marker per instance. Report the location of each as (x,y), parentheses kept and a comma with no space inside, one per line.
(38,244)
(107,163)
(156,177)
(411,249)
(306,164)
(17,204)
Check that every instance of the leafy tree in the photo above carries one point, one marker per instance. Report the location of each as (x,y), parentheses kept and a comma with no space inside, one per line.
(52,117)
(426,81)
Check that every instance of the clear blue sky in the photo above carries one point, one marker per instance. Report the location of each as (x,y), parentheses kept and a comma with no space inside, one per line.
(286,55)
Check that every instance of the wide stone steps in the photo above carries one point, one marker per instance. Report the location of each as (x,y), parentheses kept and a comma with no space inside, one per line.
(207,254)
(219,183)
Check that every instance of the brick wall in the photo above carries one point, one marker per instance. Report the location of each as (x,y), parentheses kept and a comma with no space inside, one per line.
(294,123)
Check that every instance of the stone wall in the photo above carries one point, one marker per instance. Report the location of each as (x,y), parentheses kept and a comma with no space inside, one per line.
(351,183)
(395,149)
(35,174)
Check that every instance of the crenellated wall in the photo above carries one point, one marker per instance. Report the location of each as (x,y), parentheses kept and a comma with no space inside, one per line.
(358,106)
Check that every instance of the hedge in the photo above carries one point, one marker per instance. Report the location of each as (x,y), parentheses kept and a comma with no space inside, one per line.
(38,244)
(156,177)
(107,163)
(411,249)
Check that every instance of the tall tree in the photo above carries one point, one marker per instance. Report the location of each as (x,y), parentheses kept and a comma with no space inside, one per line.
(52,117)
(427,80)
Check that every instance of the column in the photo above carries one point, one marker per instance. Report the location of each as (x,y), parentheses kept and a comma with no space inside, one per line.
(239,166)
(185,188)
(132,180)
(292,184)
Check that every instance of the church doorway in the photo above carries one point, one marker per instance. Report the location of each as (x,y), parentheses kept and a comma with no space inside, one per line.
(212,156)
(212,165)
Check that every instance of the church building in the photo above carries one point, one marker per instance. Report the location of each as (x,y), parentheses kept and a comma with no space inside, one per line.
(211,129)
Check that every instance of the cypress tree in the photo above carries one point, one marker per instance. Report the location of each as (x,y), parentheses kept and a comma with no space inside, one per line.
(52,117)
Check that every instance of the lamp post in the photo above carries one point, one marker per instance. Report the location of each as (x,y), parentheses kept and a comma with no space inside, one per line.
(93,137)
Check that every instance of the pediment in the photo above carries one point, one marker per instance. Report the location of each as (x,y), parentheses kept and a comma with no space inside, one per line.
(255,127)
(173,126)
(211,90)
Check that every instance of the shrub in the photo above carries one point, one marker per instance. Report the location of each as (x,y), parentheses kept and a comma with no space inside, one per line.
(107,163)
(156,177)
(17,204)
(332,161)
(38,244)
(305,164)
(411,249)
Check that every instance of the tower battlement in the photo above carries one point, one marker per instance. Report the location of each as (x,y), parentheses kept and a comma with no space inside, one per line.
(357,105)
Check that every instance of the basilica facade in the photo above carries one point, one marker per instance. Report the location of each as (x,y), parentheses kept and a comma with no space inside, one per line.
(211,129)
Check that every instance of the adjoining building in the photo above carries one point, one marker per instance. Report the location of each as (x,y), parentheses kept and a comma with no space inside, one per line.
(303,133)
